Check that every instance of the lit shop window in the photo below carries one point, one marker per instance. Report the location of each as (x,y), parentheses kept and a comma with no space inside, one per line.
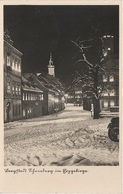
(105,79)
(8,88)
(8,59)
(105,104)
(111,78)
(112,93)
(111,103)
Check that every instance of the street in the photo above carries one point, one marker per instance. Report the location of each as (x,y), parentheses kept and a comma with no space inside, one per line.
(70,137)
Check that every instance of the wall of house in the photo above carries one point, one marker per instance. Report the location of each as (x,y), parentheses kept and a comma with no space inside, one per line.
(12,84)
(51,103)
(31,107)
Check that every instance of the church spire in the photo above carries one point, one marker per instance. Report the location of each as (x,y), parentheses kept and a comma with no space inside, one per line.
(51,60)
(51,68)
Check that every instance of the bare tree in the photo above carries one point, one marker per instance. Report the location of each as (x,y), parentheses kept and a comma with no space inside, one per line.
(90,73)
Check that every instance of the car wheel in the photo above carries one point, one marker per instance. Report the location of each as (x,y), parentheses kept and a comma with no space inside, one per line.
(113,134)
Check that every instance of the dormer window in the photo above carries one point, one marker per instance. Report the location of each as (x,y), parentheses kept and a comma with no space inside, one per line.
(112,92)
(105,78)
(111,78)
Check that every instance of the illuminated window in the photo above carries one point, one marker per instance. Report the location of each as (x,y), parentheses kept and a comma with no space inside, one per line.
(105,104)
(112,93)
(111,78)
(105,79)
(16,90)
(19,90)
(105,93)
(13,90)
(8,87)
(8,59)
(29,96)
(40,96)
(23,97)
(112,103)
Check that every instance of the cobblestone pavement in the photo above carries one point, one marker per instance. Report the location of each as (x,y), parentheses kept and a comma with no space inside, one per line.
(68,139)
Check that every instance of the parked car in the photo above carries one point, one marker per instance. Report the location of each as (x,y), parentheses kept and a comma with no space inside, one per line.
(113,129)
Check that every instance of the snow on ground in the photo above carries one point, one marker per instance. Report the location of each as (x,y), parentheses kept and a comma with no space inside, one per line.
(75,139)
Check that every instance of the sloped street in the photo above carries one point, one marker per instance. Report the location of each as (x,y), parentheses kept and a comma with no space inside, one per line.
(71,137)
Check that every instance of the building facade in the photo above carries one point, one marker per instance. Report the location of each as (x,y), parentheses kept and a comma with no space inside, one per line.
(110,80)
(32,99)
(28,95)
(110,94)
(12,81)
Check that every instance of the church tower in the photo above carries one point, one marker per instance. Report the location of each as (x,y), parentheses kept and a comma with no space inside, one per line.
(51,68)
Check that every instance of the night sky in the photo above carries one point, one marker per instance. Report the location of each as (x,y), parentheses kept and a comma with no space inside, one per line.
(39,30)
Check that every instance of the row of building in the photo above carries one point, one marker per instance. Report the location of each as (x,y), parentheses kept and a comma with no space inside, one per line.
(110,82)
(28,95)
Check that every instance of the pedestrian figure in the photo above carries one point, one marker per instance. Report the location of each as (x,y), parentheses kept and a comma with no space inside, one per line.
(56,110)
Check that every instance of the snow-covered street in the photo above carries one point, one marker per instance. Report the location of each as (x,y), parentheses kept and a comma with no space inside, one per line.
(71,137)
